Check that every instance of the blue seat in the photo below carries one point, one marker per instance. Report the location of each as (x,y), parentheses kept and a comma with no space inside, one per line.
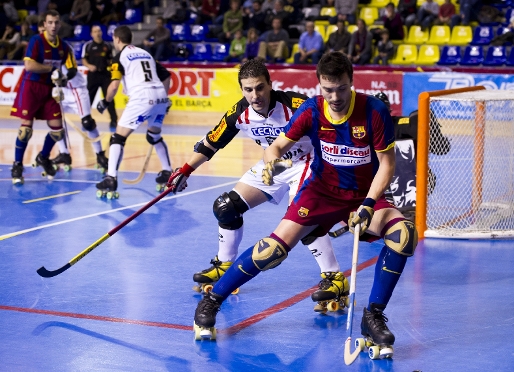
(77,49)
(510,60)
(133,16)
(81,33)
(502,30)
(473,56)
(201,52)
(182,52)
(496,56)
(450,56)
(219,52)
(110,31)
(501,4)
(508,16)
(180,32)
(482,35)
(198,33)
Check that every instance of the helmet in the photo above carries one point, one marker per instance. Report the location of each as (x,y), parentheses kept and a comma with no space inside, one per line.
(383,97)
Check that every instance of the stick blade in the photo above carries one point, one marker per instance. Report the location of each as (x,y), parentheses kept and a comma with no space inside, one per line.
(42,271)
(350,357)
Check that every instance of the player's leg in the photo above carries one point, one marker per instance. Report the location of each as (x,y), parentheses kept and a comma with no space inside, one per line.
(154,138)
(111,108)
(22,140)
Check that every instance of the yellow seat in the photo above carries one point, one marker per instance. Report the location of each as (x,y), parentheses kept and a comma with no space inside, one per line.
(428,55)
(22,14)
(322,31)
(328,11)
(416,36)
(379,3)
(296,49)
(330,30)
(369,14)
(461,35)
(439,35)
(406,54)
(351,28)
(405,34)
(320,22)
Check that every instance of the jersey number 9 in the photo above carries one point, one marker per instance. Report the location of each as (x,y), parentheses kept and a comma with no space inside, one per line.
(147,70)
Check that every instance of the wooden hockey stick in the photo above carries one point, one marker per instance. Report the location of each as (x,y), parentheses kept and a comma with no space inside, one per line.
(84,135)
(143,171)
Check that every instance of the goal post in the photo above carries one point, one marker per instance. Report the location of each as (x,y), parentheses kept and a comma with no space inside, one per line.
(465,164)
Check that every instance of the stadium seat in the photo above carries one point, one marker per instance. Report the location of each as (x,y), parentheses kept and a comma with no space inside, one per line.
(473,55)
(310,12)
(416,36)
(351,28)
(77,49)
(201,52)
(322,31)
(198,33)
(330,30)
(133,16)
(461,35)
(501,31)
(379,3)
(510,60)
(182,52)
(405,34)
(439,35)
(22,14)
(369,14)
(405,55)
(81,33)
(500,4)
(219,52)
(180,32)
(328,11)
(295,50)
(450,56)
(428,55)
(482,35)
(509,15)
(496,56)
(107,36)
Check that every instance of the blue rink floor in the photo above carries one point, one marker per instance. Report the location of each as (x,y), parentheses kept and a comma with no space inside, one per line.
(129,304)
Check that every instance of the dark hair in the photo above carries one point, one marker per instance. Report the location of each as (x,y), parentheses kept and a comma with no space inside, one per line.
(383,97)
(41,23)
(51,12)
(124,34)
(253,68)
(332,66)
(160,19)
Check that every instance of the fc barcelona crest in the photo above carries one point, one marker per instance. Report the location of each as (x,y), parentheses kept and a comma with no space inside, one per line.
(358,131)
(303,212)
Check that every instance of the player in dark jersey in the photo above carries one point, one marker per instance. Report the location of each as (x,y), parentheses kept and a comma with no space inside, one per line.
(45,55)
(353,139)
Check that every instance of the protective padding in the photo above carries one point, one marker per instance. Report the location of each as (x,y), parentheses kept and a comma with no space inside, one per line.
(117,139)
(268,253)
(228,208)
(57,135)
(153,138)
(402,237)
(88,123)
(24,134)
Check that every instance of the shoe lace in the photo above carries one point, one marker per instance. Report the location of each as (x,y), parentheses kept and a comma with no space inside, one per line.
(380,320)
(326,282)
(208,305)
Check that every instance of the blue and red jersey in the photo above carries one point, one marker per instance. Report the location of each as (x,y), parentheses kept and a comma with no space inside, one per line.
(345,150)
(44,52)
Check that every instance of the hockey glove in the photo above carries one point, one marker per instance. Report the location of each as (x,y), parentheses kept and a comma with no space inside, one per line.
(169,106)
(274,167)
(362,216)
(102,106)
(178,179)
(58,78)
(57,94)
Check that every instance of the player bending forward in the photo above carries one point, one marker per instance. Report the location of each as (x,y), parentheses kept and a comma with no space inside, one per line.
(146,83)
(354,161)
(262,115)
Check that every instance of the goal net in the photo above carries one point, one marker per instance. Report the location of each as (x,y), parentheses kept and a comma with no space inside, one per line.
(465,171)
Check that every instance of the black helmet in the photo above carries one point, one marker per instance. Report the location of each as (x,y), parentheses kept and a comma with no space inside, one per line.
(383,97)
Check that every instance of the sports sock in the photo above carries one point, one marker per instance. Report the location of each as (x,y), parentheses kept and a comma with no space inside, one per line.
(47,145)
(162,153)
(63,149)
(229,241)
(115,156)
(97,146)
(19,151)
(322,251)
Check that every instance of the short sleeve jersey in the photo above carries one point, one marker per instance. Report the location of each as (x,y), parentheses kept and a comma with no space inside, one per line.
(98,54)
(345,151)
(263,130)
(46,53)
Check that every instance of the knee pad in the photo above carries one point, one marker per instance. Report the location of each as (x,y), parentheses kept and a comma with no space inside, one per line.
(57,135)
(153,138)
(118,139)
(24,134)
(228,209)
(309,238)
(88,123)
(268,253)
(402,237)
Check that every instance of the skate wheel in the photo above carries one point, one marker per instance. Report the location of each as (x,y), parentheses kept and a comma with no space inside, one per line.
(197,289)
(386,352)
(116,195)
(50,177)
(332,306)
(34,165)
(99,193)
(374,352)
(207,288)
(158,188)
(320,308)
(109,195)
(346,302)
(197,332)
(43,174)
(235,291)
(360,344)
(66,167)
(17,181)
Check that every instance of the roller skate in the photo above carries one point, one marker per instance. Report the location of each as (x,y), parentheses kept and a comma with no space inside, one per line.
(107,188)
(378,339)
(17,173)
(49,169)
(332,294)
(63,160)
(102,163)
(208,277)
(162,179)
(205,317)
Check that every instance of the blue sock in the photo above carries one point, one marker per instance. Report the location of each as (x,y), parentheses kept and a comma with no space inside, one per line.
(48,145)
(388,269)
(19,151)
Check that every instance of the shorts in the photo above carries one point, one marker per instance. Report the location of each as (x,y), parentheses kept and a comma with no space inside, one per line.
(291,179)
(34,101)
(319,204)
(76,101)
(150,104)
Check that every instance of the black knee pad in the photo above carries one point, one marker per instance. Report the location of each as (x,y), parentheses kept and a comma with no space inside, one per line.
(151,140)
(118,139)
(228,208)
(88,123)
(309,238)
(402,238)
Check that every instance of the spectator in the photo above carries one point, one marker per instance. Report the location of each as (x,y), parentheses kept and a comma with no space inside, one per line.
(80,12)
(294,8)
(252,45)
(268,5)
(117,12)
(232,22)
(385,49)
(359,50)
(9,40)
(182,14)
(393,23)
(275,42)
(339,40)
(209,12)
(427,13)
(157,42)
(25,34)
(278,11)
(100,11)
(408,10)
(237,47)
(310,45)
(10,11)
(446,12)
(256,19)
(345,11)
(506,38)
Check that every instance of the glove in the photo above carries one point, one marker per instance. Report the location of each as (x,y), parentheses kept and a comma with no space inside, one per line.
(362,216)
(58,78)
(102,106)
(169,106)
(274,167)
(57,94)
(178,179)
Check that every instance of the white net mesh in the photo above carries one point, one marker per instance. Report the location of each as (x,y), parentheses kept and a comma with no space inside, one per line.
(471,162)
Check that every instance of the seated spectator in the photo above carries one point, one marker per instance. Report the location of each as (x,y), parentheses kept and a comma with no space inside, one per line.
(340,40)
(25,34)
(294,8)
(393,23)
(345,11)
(408,10)
(9,40)
(99,11)
(117,12)
(268,5)
(182,12)
(275,42)
(446,12)
(506,38)
(278,11)
(359,50)
(385,49)
(80,13)
(252,45)
(237,47)
(232,22)
(157,42)
(310,45)
(256,18)
(469,10)
(427,13)
(10,11)
(209,11)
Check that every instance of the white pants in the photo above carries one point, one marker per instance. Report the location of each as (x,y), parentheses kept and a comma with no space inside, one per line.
(76,101)
(150,104)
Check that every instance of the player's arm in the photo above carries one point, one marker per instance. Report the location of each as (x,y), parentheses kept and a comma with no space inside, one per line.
(117,72)
(85,56)
(36,67)
(164,75)
(384,174)
(279,147)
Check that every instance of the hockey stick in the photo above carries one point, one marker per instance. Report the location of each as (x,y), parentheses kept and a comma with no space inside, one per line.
(338,232)
(143,171)
(350,357)
(42,271)
(61,94)
(84,135)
